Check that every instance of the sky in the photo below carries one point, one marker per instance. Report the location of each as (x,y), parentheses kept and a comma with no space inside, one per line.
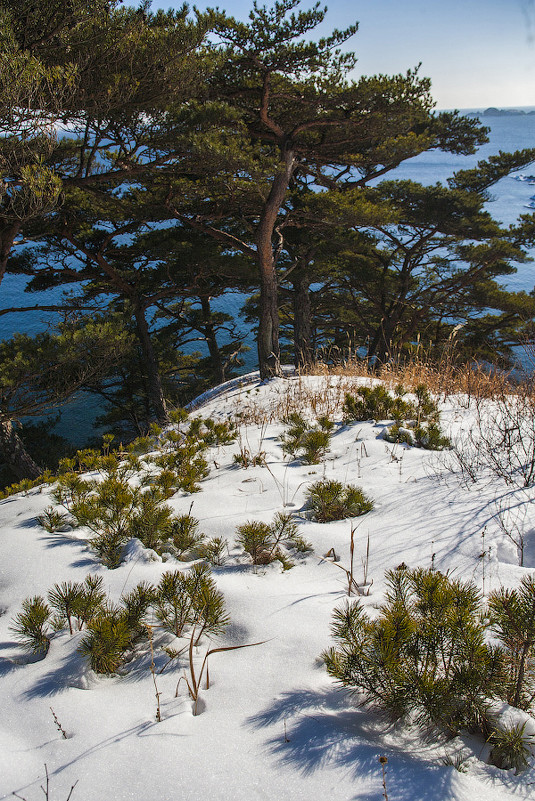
(478,53)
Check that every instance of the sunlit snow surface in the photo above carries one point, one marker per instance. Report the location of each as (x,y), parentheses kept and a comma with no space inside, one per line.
(273,726)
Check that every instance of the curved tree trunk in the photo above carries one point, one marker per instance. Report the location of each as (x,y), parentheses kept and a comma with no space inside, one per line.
(303,351)
(268,323)
(14,454)
(152,373)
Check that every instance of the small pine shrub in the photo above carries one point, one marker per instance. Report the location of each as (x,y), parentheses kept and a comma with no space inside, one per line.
(307,442)
(27,484)
(31,627)
(187,462)
(136,604)
(247,459)
(107,642)
(427,436)
(65,599)
(426,407)
(213,551)
(332,500)
(424,655)
(372,403)
(511,747)
(52,520)
(91,600)
(150,519)
(268,543)
(512,618)
(256,538)
(190,599)
(184,533)
(172,602)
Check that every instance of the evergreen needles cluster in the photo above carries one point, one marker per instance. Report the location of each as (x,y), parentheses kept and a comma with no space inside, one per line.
(416,423)
(181,602)
(427,657)
(305,441)
(267,543)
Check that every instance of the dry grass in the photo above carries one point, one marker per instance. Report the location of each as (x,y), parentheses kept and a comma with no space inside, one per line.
(443,380)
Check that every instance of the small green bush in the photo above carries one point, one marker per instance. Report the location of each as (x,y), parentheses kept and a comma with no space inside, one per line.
(32,626)
(511,747)
(190,599)
(304,441)
(268,543)
(427,436)
(213,551)
(376,403)
(52,520)
(424,655)
(150,519)
(185,535)
(332,500)
(512,618)
(256,538)
(107,642)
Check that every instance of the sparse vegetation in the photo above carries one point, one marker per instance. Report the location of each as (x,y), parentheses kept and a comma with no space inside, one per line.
(305,441)
(332,500)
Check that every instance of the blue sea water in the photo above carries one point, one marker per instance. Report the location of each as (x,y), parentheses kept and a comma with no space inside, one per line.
(509,199)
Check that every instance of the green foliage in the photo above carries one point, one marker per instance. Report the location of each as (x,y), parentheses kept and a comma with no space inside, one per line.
(425,654)
(267,543)
(211,433)
(184,457)
(136,605)
(107,642)
(376,403)
(332,500)
(90,601)
(511,747)
(26,485)
(247,459)
(304,441)
(65,599)
(186,600)
(52,520)
(256,538)
(114,508)
(151,519)
(185,535)
(512,617)
(213,550)
(421,435)
(31,626)
(416,424)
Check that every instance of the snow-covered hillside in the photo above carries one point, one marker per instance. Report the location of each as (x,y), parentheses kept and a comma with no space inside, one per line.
(272,725)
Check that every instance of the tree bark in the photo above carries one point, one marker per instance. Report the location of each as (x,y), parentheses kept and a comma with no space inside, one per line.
(303,352)
(14,454)
(8,232)
(211,340)
(154,383)
(268,323)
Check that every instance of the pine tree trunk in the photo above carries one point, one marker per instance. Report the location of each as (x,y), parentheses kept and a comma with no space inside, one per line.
(152,373)
(14,454)
(211,340)
(8,232)
(268,323)
(303,352)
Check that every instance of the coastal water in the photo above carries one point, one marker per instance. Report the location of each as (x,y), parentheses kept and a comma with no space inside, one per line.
(508,201)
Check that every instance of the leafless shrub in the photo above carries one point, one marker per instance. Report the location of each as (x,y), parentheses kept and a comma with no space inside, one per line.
(513,522)
(501,442)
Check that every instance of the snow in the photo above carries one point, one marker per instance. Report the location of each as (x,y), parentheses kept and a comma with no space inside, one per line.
(272,726)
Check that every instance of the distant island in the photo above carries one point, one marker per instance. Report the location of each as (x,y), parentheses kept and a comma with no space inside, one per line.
(502,112)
